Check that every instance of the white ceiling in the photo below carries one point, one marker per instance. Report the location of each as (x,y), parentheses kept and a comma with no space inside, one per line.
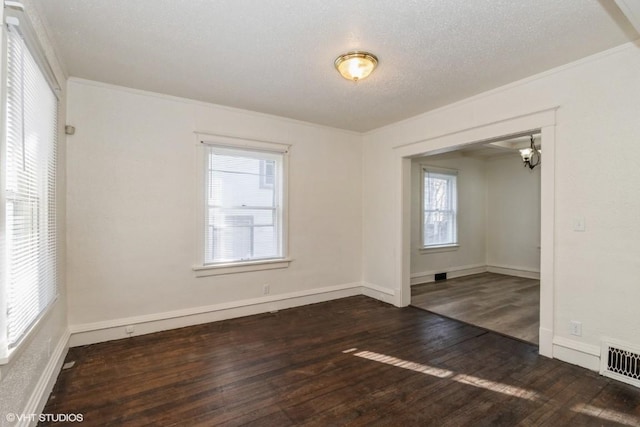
(276,56)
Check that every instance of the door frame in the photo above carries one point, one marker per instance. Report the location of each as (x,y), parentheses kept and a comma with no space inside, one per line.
(544,122)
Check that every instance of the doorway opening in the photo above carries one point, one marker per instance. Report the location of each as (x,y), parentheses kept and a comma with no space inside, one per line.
(542,122)
(475,236)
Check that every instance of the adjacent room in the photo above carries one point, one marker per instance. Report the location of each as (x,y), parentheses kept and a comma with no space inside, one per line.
(475,228)
(320,213)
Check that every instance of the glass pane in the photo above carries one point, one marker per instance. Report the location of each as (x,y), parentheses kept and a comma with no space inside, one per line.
(232,238)
(437,193)
(242,221)
(439,225)
(438,228)
(238,181)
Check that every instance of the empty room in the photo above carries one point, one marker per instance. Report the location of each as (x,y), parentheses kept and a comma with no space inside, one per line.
(475,235)
(320,213)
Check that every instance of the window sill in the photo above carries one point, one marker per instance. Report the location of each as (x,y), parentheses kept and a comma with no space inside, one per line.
(440,248)
(240,267)
(8,354)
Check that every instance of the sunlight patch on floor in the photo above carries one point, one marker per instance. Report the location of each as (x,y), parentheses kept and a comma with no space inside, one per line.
(606,414)
(400,363)
(496,386)
(445,373)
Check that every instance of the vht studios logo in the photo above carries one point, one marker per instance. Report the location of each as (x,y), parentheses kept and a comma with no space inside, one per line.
(45,418)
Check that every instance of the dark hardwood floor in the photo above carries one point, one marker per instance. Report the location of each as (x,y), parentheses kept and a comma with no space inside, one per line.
(354,361)
(506,304)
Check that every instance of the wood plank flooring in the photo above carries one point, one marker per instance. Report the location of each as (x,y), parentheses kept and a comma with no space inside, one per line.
(354,361)
(505,304)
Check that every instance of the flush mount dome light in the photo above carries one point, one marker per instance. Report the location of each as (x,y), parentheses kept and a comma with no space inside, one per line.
(356,65)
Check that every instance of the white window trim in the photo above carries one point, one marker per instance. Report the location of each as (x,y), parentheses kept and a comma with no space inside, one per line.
(200,268)
(241,267)
(448,247)
(439,248)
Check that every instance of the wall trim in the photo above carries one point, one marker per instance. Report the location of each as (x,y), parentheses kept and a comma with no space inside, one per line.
(42,389)
(460,137)
(452,272)
(514,271)
(378,288)
(576,353)
(590,349)
(545,339)
(467,270)
(379,292)
(91,333)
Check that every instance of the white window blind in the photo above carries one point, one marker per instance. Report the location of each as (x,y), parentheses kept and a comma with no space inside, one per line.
(439,226)
(244,197)
(30,187)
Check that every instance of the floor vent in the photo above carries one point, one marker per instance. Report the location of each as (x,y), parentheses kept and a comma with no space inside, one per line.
(440,276)
(621,362)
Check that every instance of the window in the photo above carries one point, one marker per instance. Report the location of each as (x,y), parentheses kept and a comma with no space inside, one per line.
(439,213)
(244,203)
(29,166)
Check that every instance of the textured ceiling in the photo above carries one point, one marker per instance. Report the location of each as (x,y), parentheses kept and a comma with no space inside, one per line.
(277,56)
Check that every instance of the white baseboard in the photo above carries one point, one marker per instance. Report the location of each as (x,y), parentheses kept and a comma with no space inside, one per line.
(576,353)
(379,292)
(545,339)
(452,273)
(91,333)
(514,271)
(42,389)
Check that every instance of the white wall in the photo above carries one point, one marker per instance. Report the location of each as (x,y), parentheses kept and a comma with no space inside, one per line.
(471,252)
(513,219)
(596,139)
(132,207)
(498,218)
(33,367)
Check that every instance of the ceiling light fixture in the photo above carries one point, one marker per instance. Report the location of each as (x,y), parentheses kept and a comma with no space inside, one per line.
(356,65)
(531,155)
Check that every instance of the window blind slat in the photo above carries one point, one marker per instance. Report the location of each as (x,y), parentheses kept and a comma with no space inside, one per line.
(30,207)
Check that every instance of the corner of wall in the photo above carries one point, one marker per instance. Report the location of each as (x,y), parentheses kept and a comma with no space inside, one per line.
(380,293)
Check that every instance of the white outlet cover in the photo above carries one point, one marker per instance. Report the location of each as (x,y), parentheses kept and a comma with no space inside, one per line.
(579,224)
(575,328)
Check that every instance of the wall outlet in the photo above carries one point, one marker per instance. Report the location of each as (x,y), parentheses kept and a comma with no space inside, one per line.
(575,328)
(266,289)
(579,224)
(130,329)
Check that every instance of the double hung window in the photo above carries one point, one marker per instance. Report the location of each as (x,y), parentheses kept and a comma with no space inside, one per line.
(244,212)
(439,207)
(29,277)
